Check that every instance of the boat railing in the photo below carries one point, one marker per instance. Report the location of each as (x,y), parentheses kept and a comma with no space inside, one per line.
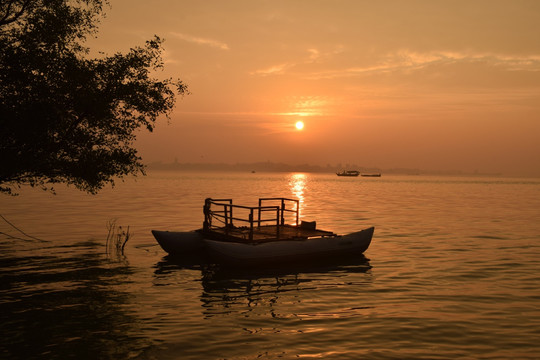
(220,215)
(283,209)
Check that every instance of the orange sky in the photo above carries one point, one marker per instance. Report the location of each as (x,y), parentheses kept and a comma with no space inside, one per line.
(435,85)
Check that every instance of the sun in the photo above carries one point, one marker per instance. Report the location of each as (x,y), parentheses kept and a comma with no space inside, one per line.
(299,125)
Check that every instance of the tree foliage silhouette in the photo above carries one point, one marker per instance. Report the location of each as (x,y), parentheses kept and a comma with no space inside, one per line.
(65,117)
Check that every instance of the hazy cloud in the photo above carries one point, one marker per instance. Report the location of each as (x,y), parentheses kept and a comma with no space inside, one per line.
(314,54)
(272,70)
(201,41)
(405,60)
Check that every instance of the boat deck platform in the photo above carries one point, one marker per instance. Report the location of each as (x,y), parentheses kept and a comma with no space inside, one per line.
(266,233)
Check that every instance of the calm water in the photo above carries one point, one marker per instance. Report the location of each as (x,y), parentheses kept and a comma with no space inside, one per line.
(453,272)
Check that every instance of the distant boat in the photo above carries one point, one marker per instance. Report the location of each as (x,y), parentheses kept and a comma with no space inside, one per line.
(348,173)
(371,175)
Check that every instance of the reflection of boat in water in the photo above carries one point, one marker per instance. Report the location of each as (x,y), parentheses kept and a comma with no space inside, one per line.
(219,278)
(265,239)
(223,273)
(372,175)
(348,173)
(258,290)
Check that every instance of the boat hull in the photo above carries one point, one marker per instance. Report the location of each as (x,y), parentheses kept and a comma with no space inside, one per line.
(348,173)
(290,251)
(193,244)
(180,243)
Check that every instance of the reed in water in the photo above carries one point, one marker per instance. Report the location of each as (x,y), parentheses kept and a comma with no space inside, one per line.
(117,237)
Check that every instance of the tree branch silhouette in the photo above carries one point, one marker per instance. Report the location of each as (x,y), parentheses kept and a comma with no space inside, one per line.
(67,118)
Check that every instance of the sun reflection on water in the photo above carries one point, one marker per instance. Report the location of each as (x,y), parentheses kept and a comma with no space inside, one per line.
(297,184)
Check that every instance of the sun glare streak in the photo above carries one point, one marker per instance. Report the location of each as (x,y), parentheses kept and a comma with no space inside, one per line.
(297,183)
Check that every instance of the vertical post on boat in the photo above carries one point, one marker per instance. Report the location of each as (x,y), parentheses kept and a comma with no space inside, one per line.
(282,211)
(226,219)
(297,211)
(259,213)
(277,222)
(206,210)
(251,224)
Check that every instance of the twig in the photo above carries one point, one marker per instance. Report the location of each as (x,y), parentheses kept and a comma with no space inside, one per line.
(19,230)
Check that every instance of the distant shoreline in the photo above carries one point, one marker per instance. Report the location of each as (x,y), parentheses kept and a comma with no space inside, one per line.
(282,167)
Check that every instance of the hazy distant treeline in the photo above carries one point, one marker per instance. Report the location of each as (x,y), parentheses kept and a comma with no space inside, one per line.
(282,167)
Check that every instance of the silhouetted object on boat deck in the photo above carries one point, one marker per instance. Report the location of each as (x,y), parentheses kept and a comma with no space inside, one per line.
(64,117)
(348,173)
(265,239)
